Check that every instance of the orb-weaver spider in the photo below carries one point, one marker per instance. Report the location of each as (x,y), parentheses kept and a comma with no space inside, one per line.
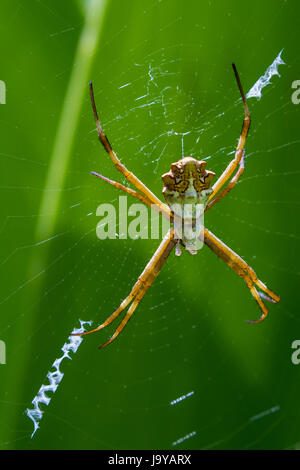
(186,179)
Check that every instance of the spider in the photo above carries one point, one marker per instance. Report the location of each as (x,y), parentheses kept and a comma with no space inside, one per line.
(188,180)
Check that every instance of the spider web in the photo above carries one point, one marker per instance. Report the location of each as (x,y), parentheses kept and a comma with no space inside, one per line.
(187,372)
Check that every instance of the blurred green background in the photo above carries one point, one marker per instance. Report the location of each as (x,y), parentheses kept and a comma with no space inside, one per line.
(164,87)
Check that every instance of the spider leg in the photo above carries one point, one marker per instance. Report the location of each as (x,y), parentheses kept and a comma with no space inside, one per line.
(128,174)
(112,317)
(240,267)
(144,282)
(258,300)
(241,144)
(230,185)
(134,193)
(140,288)
(123,323)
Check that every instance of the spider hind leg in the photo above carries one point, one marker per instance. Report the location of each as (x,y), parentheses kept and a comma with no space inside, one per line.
(240,267)
(139,289)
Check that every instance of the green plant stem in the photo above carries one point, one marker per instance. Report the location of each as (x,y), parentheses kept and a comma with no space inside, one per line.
(59,161)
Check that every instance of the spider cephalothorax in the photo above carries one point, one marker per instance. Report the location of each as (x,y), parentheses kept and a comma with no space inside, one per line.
(187,182)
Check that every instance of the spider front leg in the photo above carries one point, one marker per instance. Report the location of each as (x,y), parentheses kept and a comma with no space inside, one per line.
(163,208)
(240,267)
(128,174)
(230,185)
(239,154)
(140,288)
